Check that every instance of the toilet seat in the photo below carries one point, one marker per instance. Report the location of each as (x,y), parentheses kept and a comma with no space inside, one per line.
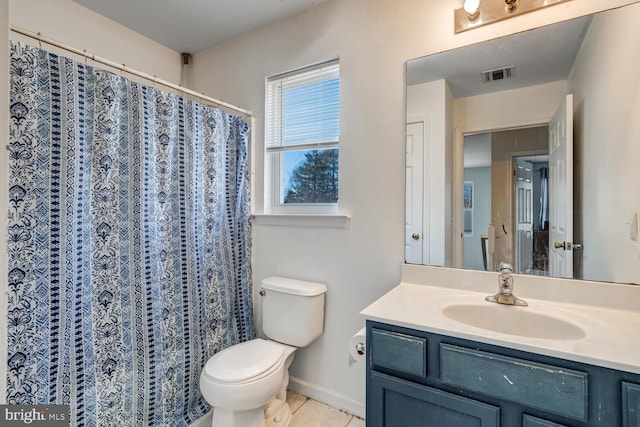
(245,362)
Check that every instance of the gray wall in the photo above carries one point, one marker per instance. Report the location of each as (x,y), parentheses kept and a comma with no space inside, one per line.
(481,215)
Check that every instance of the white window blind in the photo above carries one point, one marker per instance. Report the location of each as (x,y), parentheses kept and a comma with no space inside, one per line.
(303,109)
(302,131)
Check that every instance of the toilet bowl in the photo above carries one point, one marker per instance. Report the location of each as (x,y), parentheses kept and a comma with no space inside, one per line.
(247,383)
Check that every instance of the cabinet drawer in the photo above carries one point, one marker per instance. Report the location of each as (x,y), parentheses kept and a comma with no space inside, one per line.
(630,405)
(400,352)
(549,388)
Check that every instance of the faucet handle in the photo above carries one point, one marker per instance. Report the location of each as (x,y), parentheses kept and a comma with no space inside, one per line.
(505,291)
(505,267)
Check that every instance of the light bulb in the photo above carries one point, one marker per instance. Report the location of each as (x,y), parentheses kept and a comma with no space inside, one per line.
(472,7)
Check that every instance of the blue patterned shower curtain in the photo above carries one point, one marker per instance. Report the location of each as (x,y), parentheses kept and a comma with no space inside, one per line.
(129,243)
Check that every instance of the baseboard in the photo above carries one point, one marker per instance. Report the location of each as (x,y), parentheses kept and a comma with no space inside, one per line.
(329,397)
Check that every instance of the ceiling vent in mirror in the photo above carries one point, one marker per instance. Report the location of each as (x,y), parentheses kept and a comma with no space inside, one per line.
(498,74)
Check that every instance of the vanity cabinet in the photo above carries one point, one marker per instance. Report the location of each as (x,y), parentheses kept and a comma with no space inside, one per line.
(416,378)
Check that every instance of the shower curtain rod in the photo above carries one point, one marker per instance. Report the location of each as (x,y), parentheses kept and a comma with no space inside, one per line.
(122,67)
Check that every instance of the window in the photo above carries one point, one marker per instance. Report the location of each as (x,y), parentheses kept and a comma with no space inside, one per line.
(468,208)
(302,134)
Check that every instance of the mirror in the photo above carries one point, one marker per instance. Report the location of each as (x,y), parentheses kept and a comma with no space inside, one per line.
(526,149)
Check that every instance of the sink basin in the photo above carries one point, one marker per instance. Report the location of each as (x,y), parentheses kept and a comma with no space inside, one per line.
(513,320)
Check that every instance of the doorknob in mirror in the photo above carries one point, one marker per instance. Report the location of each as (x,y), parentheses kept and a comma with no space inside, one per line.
(567,246)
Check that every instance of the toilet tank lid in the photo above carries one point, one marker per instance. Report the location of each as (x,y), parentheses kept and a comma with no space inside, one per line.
(293,286)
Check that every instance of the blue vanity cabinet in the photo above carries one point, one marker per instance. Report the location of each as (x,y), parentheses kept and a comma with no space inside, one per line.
(416,378)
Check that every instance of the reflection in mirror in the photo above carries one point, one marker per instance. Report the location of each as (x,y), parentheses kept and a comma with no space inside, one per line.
(511,165)
(525,149)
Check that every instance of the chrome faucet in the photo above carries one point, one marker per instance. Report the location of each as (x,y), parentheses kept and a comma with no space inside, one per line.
(505,288)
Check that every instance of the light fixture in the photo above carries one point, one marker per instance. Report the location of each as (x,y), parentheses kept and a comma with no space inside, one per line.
(476,13)
(512,5)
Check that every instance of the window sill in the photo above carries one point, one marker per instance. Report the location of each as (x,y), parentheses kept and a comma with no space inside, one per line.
(303,220)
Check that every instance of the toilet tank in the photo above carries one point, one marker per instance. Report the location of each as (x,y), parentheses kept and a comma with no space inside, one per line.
(292,310)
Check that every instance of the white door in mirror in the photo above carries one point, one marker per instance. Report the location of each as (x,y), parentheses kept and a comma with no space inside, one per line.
(561,190)
(414,252)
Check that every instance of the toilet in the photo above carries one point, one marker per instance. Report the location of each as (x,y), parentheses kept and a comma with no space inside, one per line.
(247,383)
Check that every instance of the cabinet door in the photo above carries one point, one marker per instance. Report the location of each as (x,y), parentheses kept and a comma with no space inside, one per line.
(398,403)
(630,404)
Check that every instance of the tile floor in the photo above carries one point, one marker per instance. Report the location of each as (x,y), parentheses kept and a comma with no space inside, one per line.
(311,413)
(306,413)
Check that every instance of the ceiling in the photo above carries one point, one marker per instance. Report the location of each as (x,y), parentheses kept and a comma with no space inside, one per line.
(538,56)
(194,25)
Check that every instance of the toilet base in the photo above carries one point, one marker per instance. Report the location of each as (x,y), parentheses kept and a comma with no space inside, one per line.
(251,418)
(275,414)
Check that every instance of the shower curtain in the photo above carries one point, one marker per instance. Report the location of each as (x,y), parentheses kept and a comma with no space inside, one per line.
(129,243)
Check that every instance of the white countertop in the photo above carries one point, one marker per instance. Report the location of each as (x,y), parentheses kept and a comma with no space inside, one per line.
(611,333)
